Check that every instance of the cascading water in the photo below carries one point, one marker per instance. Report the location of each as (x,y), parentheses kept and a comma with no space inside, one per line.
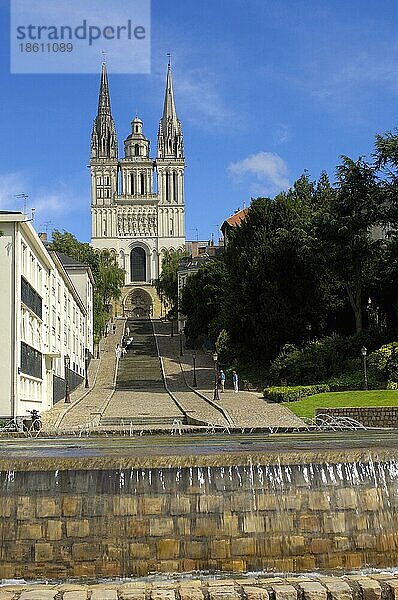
(271,515)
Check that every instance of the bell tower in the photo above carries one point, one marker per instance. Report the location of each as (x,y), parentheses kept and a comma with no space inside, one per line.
(137,202)
(170,165)
(104,161)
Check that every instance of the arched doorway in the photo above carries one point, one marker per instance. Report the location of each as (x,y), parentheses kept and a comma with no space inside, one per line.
(138,304)
(138,264)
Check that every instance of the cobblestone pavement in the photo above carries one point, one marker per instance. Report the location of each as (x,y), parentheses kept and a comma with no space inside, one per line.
(84,406)
(193,405)
(369,587)
(141,407)
(244,409)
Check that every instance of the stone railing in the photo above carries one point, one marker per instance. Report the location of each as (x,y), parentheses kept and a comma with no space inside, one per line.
(372,587)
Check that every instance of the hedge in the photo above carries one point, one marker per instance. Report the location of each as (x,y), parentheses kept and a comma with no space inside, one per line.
(293,393)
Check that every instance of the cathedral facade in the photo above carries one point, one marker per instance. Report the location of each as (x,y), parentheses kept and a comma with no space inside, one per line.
(137,202)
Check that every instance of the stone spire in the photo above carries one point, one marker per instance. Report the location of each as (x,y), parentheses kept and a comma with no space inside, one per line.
(170,142)
(103,137)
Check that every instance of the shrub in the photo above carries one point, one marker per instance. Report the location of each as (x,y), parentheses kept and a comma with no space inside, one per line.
(352,381)
(317,361)
(327,357)
(293,393)
(384,362)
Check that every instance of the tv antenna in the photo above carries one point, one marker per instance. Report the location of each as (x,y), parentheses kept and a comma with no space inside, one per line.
(24,197)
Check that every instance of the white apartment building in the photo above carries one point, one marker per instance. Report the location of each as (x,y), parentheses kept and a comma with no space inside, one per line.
(43,319)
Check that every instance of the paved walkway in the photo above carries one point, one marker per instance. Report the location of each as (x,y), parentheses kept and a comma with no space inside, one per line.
(102,406)
(85,404)
(244,409)
(196,408)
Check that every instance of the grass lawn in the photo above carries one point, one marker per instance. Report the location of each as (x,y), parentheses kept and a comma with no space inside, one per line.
(306,407)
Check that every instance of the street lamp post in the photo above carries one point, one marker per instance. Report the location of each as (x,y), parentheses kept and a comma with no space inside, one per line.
(194,383)
(364,352)
(181,342)
(216,396)
(66,366)
(86,360)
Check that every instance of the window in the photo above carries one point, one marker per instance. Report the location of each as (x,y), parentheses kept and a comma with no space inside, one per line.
(138,264)
(167,187)
(175,186)
(136,150)
(31,298)
(31,361)
(142,184)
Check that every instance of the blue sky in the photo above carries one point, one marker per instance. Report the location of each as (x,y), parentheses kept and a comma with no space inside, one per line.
(264,89)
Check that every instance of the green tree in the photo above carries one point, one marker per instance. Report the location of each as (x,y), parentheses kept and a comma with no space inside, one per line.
(345,231)
(108,276)
(167,283)
(279,289)
(202,300)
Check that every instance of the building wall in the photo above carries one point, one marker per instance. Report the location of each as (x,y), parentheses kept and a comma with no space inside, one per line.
(42,320)
(7,319)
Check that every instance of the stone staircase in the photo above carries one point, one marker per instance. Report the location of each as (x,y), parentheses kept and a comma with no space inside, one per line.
(140,368)
(140,397)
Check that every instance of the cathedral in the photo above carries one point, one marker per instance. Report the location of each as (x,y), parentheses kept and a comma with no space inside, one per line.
(137,202)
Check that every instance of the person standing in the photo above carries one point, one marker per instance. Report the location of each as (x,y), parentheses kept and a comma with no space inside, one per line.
(235,381)
(222,380)
(114,328)
(127,331)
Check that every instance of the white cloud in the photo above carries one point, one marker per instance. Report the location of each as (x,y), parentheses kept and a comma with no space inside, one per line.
(11,185)
(200,98)
(49,205)
(282,133)
(269,169)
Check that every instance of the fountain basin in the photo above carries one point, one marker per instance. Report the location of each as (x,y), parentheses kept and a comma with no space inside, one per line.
(125,507)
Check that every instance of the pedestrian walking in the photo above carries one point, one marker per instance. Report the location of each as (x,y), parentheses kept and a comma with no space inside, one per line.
(235,381)
(118,351)
(124,351)
(106,329)
(114,328)
(222,380)
(127,331)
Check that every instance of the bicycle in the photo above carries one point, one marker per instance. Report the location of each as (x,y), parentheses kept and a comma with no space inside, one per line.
(35,425)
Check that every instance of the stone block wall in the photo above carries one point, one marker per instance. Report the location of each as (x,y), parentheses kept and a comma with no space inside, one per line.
(132,522)
(369,416)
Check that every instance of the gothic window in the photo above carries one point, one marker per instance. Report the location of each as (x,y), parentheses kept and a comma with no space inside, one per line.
(136,129)
(132,184)
(142,184)
(136,150)
(107,193)
(138,264)
(167,187)
(106,180)
(175,188)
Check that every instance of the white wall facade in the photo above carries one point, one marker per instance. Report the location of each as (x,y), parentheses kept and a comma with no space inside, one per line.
(43,320)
